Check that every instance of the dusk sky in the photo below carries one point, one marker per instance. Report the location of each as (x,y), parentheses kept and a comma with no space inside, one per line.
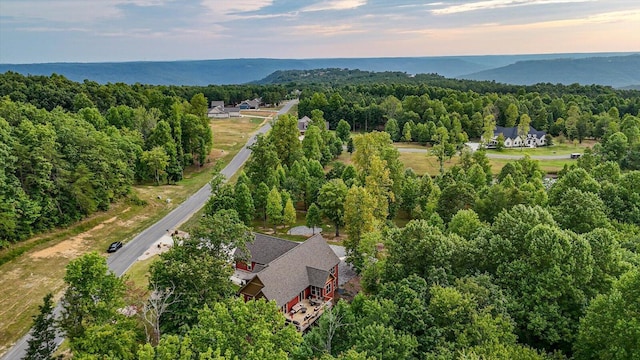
(34,31)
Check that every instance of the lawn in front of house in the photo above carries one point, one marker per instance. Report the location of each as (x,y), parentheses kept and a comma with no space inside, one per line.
(556,149)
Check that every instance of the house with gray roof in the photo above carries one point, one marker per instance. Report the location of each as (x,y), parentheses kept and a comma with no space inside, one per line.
(219,111)
(250,104)
(288,272)
(304,123)
(534,137)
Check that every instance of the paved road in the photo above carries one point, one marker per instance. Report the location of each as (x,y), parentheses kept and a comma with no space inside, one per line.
(497,156)
(120,262)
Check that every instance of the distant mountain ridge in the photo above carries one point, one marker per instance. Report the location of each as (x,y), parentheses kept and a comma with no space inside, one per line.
(240,71)
(616,71)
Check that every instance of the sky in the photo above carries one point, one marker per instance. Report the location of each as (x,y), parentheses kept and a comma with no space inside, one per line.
(37,31)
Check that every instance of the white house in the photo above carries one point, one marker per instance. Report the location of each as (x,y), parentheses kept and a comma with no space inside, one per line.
(534,137)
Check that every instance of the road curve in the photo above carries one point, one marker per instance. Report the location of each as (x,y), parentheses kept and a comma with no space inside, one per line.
(120,261)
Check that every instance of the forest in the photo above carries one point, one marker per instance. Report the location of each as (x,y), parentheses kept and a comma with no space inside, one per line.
(466,263)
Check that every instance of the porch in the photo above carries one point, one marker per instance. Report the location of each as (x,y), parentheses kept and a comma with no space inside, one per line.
(307,312)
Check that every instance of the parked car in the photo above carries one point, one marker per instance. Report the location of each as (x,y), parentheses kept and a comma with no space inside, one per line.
(114,246)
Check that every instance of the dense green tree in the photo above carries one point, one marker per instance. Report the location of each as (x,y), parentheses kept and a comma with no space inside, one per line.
(455,197)
(263,162)
(284,137)
(548,286)
(575,179)
(156,161)
(407,134)
(443,148)
(274,208)
(312,144)
(422,249)
(42,345)
(260,201)
(313,218)
(523,128)
(92,298)
(610,327)
(465,223)
(289,213)
(580,211)
(384,343)
(222,198)
(488,128)
(331,200)
(244,203)
(379,185)
(392,128)
(343,130)
(359,219)
(225,326)
(511,115)
(615,148)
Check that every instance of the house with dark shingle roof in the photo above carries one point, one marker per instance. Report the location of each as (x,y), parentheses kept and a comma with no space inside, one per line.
(250,104)
(512,139)
(304,123)
(289,272)
(218,111)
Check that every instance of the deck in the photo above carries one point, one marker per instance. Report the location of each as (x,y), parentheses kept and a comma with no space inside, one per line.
(307,313)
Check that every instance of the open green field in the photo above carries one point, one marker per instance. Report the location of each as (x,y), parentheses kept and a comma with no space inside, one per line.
(557,149)
(36,266)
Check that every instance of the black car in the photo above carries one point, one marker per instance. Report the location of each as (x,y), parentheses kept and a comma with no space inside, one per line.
(114,246)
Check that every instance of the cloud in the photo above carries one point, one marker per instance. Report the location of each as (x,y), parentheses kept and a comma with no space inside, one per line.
(495,4)
(323,30)
(61,11)
(227,8)
(335,5)
(602,18)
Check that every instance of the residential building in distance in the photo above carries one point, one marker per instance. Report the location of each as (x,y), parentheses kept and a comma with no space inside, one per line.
(534,137)
(219,111)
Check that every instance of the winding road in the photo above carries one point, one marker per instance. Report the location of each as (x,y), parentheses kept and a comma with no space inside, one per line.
(120,261)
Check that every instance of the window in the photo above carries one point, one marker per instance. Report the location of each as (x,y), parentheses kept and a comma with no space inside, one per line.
(327,288)
(332,271)
(249,266)
(316,292)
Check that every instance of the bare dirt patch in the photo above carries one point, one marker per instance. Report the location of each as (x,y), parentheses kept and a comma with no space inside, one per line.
(73,247)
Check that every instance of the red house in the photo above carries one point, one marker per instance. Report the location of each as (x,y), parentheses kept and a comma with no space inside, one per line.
(300,277)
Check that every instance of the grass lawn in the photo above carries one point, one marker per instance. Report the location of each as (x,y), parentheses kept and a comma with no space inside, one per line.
(139,272)
(558,149)
(548,166)
(422,163)
(36,266)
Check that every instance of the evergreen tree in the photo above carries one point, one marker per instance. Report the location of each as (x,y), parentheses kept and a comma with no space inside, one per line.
(260,201)
(314,218)
(42,345)
(244,203)
(289,215)
(350,145)
(343,130)
(274,208)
